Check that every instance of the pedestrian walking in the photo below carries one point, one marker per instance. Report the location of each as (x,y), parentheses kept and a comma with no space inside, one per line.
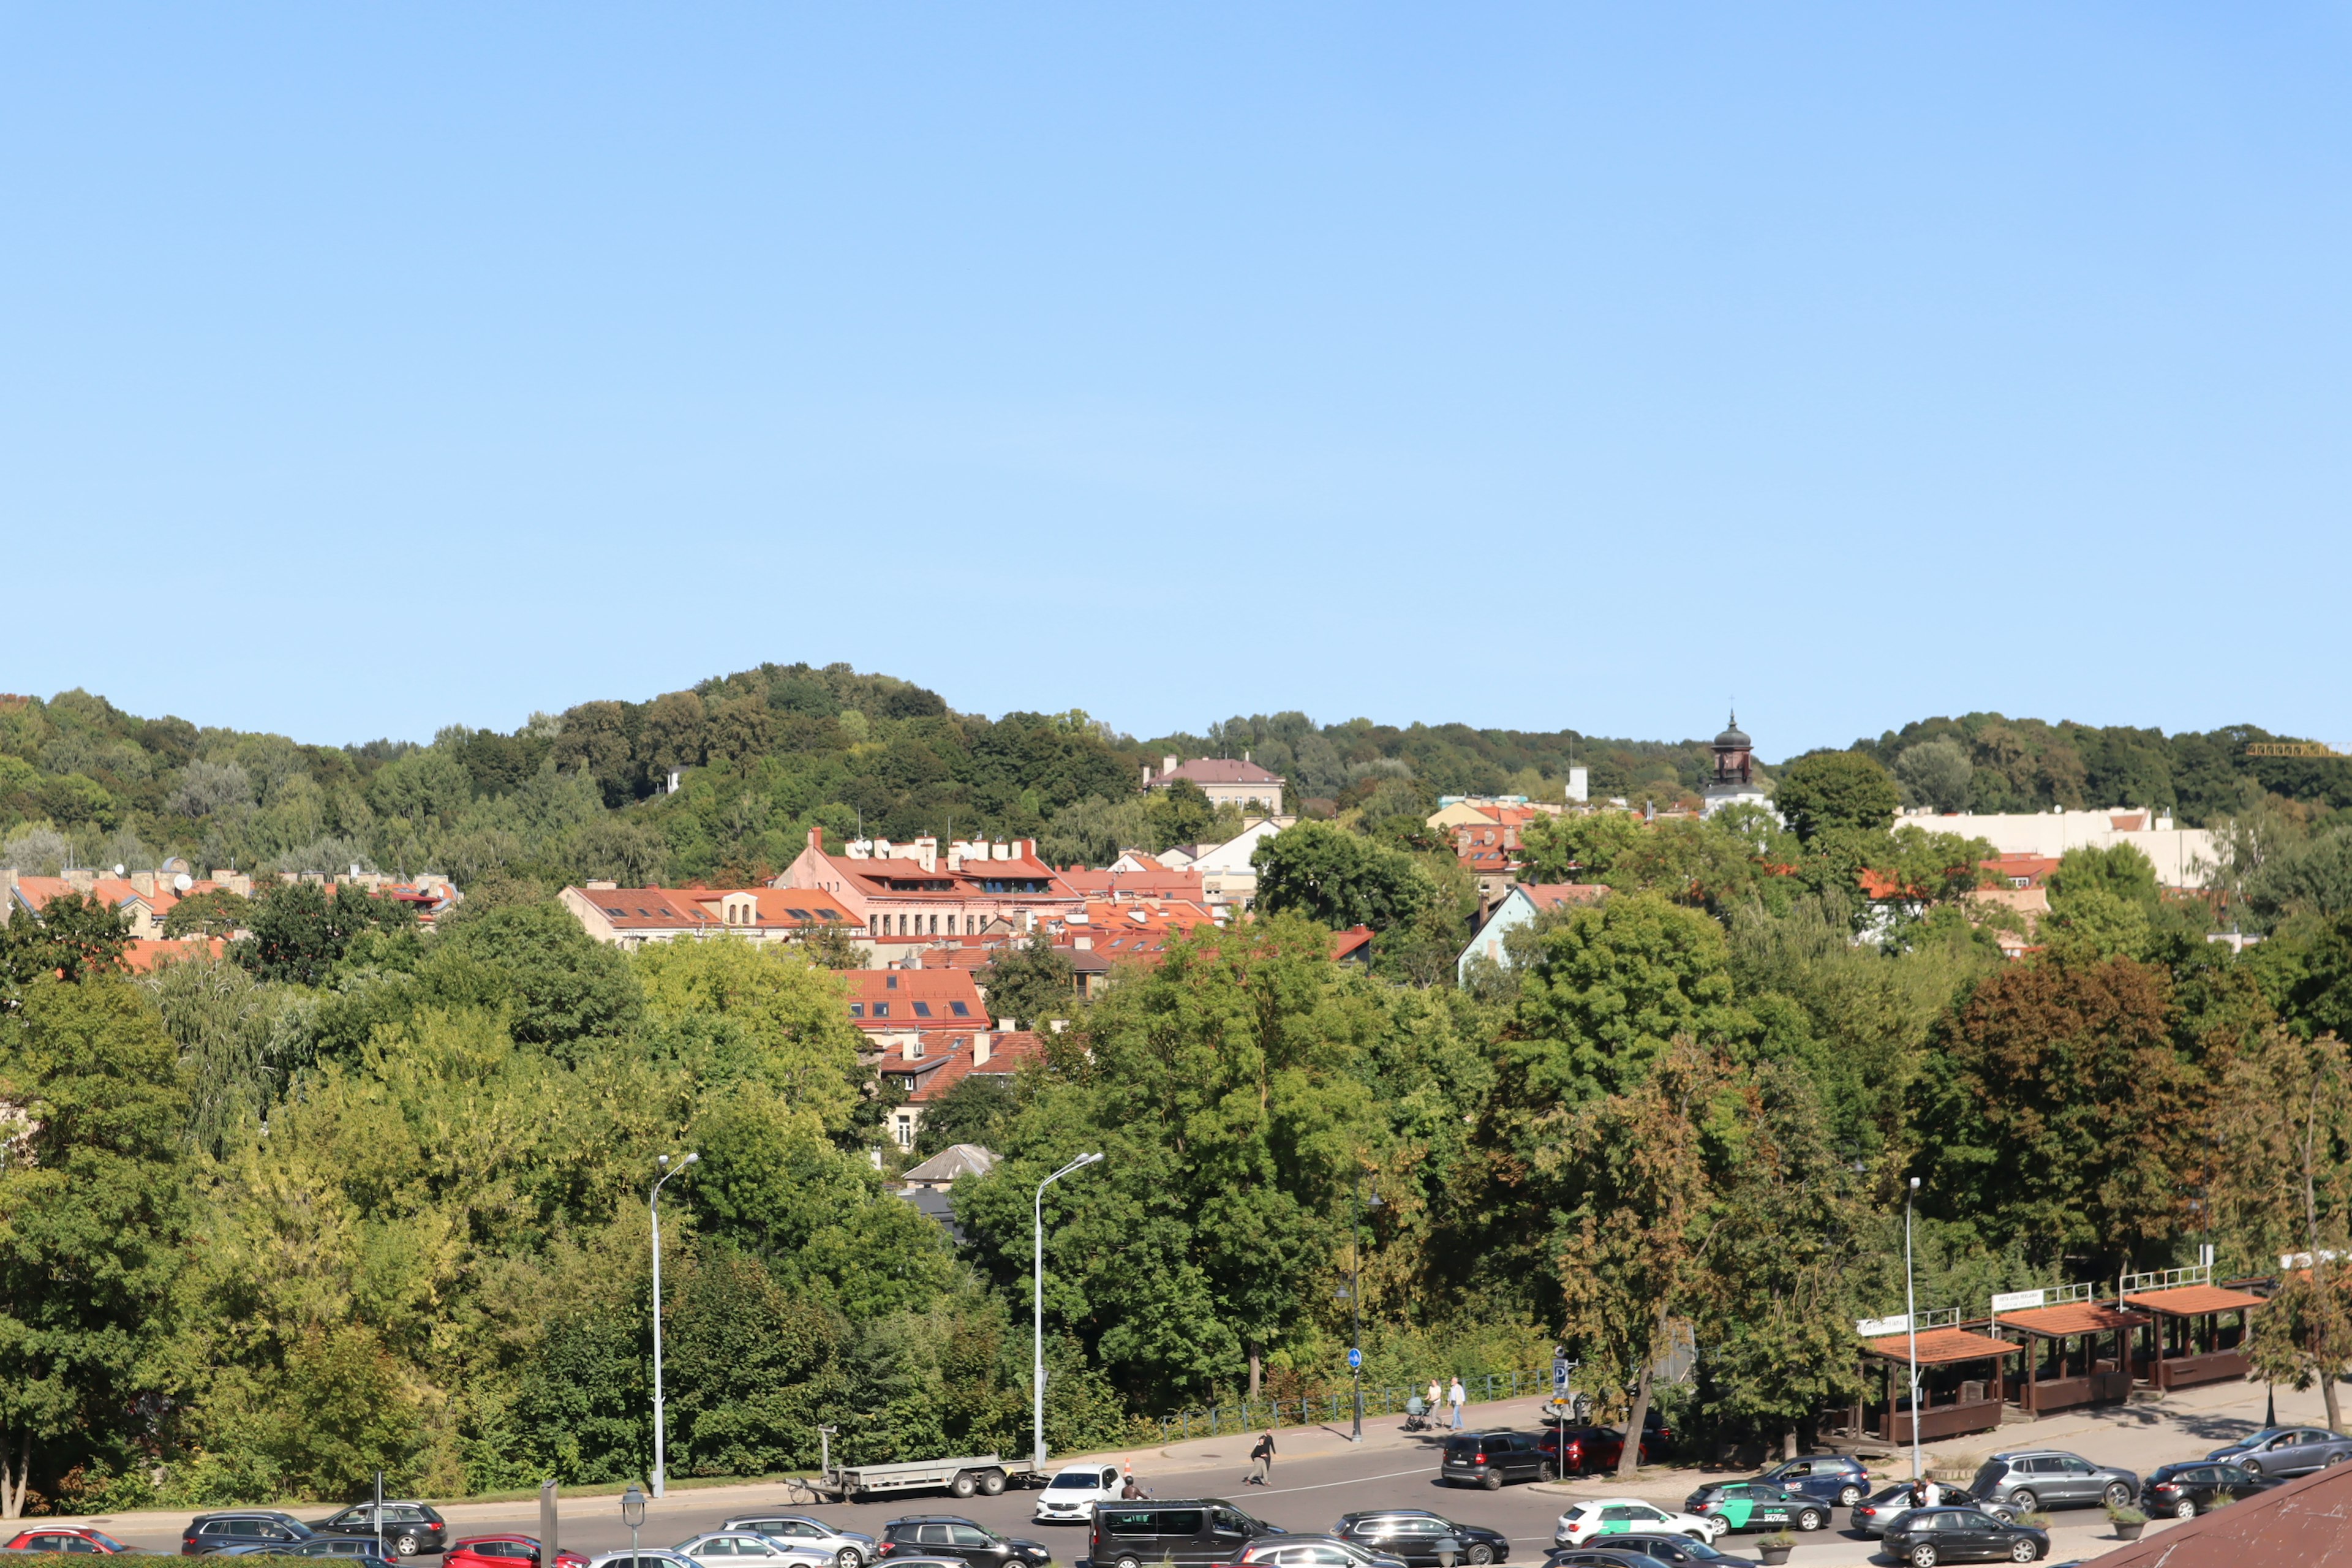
(1455,1397)
(1261,1458)
(1436,1398)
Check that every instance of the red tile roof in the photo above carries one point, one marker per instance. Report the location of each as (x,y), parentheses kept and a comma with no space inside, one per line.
(143,954)
(1942,1347)
(1348,944)
(1551,895)
(701,909)
(2192,1300)
(899,998)
(2076,1317)
(1221,771)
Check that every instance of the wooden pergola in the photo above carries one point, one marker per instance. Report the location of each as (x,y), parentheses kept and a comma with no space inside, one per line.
(2190,1341)
(1951,1404)
(2065,1362)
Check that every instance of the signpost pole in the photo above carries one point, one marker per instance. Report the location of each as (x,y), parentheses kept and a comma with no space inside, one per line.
(1911,1324)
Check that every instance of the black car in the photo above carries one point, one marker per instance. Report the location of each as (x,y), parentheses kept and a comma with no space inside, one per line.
(1601,1557)
(1490,1459)
(2184,1492)
(1752,1505)
(1881,1512)
(1415,1535)
(1837,1479)
(210,1532)
(1181,1530)
(2285,1451)
(409,1528)
(952,1535)
(1928,1536)
(1680,1551)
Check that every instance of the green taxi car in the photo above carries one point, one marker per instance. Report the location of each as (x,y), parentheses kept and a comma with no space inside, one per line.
(1754,1505)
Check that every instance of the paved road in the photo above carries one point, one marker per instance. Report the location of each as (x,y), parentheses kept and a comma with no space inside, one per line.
(1319,1476)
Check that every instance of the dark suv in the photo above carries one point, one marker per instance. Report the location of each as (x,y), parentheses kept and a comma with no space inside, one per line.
(952,1535)
(1490,1459)
(210,1532)
(1825,1477)
(409,1528)
(2032,1479)
(1422,1537)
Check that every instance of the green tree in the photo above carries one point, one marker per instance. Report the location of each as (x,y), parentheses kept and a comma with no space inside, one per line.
(214,913)
(1936,774)
(237,1040)
(92,1213)
(1030,983)
(979,1110)
(1583,847)
(298,933)
(1331,875)
(1834,789)
(1180,813)
(565,986)
(75,935)
(731,1010)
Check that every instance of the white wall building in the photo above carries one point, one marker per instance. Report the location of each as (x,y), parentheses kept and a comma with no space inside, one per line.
(2182,856)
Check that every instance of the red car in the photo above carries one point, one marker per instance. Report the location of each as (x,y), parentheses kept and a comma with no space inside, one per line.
(67,1540)
(1593,1449)
(504,1552)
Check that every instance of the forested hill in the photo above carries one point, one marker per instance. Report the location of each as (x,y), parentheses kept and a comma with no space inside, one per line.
(765,753)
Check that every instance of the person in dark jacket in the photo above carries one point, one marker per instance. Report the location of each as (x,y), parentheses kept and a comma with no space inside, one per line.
(1262,1455)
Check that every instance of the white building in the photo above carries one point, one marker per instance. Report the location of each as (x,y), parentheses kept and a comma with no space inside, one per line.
(2182,856)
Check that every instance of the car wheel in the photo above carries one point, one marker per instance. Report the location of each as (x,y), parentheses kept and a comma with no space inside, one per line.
(1544,1472)
(2117,1495)
(1922,1556)
(2022,1499)
(2185,1508)
(1849,1495)
(1127,1562)
(405,1545)
(963,1486)
(2252,1466)
(1492,1480)
(2338,1458)
(2022,1551)
(1809,1519)
(1479,1552)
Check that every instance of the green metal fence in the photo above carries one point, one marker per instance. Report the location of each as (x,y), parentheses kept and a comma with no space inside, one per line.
(1337,1405)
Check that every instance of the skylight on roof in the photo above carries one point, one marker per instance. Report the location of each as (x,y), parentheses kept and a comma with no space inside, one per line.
(922,1009)
(961,1009)
(798,915)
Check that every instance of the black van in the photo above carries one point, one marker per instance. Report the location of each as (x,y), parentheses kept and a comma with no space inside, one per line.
(1192,1530)
(1490,1459)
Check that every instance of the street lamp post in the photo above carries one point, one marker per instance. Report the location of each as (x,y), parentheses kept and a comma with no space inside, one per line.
(1356,1301)
(1911,1323)
(1037,1305)
(654,1203)
(632,1514)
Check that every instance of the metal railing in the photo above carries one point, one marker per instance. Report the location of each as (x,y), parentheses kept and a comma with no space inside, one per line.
(2168,1278)
(1339,1404)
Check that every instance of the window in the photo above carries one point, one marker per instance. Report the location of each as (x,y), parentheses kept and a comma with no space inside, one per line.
(857,1009)
(881,1009)
(1181,1521)
(931,1534)
(922,1009)
(907,1141)
(968,1535)
(889,983)
(961,1009)
(802,915)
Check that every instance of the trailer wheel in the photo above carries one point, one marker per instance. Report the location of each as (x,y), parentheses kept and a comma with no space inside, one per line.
(963,1486)
(991,1483)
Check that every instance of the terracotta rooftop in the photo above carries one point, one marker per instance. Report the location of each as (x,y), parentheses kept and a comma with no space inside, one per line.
(1551,895)
(2192,1300)
(2076,1317)
(2306,1523)
(1220,769)
(898,998)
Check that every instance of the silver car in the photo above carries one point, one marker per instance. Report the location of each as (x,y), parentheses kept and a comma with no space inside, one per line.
(849,1548)
(1313,1552)
(719,1547)
(644,1557)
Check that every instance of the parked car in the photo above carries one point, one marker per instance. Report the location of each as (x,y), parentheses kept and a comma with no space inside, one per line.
(504,1552)
(1181,1530)
(2051,1478)
(209,1532)
(732,1544)
(1489,1458)
(1587,1523)
(1070,1497)
(1591,1448)
(2286,1451)
(850,1548)
(952,1535)
(1419,1536)
(2184,1492)
(645,1557)
(68,1539)
(1313,1551)
(1677,1551)
(1601,1557)
(1928,1536)
(1885,1508)
(1837,1479)
(410,1529)
(356,1553)
(1752,1505)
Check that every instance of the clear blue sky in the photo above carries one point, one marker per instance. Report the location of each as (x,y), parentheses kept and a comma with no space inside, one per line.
(366,369)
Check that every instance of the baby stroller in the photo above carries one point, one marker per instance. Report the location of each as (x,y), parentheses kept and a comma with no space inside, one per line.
(1416,1415)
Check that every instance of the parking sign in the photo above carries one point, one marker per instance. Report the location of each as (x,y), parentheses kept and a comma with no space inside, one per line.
(1560,1370)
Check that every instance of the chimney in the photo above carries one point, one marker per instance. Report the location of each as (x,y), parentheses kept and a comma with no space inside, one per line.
(1146,773)
(1024,849)
(1167,766)
(910,1048)
(816,839)
(980,1050)
(143,883)
(1004,1026)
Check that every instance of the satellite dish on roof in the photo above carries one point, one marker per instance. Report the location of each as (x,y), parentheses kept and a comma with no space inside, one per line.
(184,881)
(117,868)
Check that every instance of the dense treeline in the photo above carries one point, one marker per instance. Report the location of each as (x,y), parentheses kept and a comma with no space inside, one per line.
(360,1195)
(763,755)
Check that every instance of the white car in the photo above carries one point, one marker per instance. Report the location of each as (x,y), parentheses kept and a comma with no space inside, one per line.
(1070,1497)
(1592,1523)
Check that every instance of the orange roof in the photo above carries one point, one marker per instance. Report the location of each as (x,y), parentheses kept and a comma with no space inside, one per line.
(1354,939)
(702,909)
(1551,895)
(2032,869)
(143,954)
(2076,1318)
(1942,1347)
(895,998)
(2192,1300)
(1158,882)
(1007,1053)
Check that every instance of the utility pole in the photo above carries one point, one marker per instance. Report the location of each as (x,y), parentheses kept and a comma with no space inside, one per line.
(654,1203)
(1911,1323)
(1037,1306)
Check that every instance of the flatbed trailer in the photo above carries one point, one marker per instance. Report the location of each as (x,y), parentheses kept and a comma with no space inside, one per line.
(984,1474)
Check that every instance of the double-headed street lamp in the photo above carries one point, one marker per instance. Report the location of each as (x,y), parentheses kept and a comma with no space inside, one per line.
(654,1203)
(1037,1302)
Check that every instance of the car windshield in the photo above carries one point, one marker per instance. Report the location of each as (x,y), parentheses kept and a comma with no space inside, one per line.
(106,1541)
(1077,1480)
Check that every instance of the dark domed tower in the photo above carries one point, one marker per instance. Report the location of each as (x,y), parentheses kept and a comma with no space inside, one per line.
(1734,770)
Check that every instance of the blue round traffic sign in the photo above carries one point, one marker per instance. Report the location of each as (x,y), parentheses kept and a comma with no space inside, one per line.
(1356,1359)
